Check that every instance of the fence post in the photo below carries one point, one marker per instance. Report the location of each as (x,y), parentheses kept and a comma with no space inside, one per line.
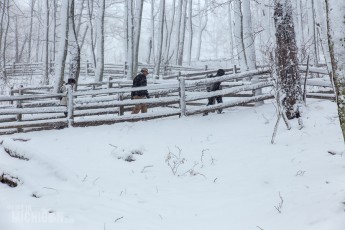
(120,98)
(165,68)
(11,94)
(182,96)
(51,66)
(206,67)
(125,69)
(235,69)
(70,107)
(110,85)
(19,105)
(179,75)
(87,67)
(13,68)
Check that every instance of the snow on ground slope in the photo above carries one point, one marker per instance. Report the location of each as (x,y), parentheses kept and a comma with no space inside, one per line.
(214,172)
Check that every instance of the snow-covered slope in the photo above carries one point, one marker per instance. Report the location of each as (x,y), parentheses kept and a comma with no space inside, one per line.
(230,176)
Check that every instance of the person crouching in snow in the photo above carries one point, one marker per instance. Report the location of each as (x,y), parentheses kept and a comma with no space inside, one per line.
(140,81)
(213,87)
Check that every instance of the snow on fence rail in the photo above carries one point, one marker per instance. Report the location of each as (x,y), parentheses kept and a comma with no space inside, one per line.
(87,107)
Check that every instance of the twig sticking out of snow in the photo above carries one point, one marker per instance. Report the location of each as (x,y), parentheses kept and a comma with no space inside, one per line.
(148,166)
(332,152)
(118,218)
(280,204)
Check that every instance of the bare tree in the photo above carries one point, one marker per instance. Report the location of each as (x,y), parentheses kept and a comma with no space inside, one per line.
(32,6)
(182,33)
(4,49)
(45,79)
(336,43)
(160,34)
(100,42)
(286,54)
(74,68)
(90,15)
(238,34)
(190,29)
(203,19)
(62,52)
(137,31)
(169,34)
(231,31)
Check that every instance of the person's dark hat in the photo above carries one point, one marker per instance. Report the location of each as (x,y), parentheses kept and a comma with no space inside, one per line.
(71,81)
(220,72)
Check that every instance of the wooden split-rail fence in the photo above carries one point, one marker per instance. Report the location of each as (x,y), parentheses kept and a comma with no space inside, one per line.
(35,108)
(87,69)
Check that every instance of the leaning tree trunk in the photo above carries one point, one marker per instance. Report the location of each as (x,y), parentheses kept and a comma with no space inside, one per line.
(286,53)
(336,43)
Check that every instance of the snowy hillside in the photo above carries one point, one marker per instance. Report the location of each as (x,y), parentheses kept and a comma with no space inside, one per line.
(231,177)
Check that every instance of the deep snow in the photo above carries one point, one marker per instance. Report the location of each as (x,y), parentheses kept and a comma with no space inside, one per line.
(232,177)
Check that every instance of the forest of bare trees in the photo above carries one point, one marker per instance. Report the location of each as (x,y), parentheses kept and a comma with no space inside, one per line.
(62,34)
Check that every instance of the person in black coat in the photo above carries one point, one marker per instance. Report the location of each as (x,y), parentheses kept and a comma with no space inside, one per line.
(140,81)
(213,87)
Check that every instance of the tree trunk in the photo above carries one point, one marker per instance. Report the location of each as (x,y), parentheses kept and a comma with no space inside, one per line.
(286,54)
(100,42)
(231,32)
(160,35)
(190,29)
(90,14)
(203,19)
(30,31)
(137,32)
(130,39)
(178,30)
(45,79)
(74,67)
(169,33)
(182,33)
(38,38)
(62,52)
(336,42)
(152,38)
(4,49)
(238,33)
(16,42)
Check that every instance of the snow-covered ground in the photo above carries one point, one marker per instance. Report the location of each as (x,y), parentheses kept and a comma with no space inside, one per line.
(230,176)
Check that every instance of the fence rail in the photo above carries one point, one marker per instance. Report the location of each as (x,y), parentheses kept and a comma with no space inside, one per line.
(35,108)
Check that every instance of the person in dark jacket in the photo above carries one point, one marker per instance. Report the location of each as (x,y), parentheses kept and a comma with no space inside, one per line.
(213,87)
(140,81)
